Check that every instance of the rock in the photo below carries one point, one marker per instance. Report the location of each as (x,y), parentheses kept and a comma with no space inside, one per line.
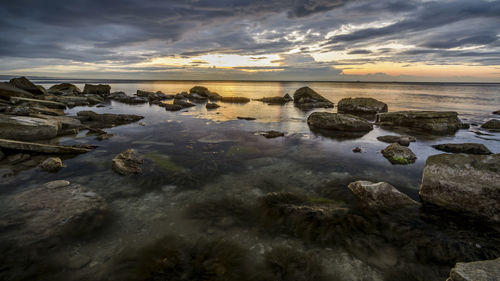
(246,118)
(127,162)
(492,125)
(234,99)
(152,96)
(100,90)
(496,112)
(287,97)
(107,120)
(59,211)
(47,111)
(356,150)
(104,136)
(2,155)
(463,183)
(142,123)
(20,110)
(431,121)
(65,89)
(52,164)
(488,270)
(338,122)
(36,102)
(402,140)
(212,106)
(56,184)
(470,148)
(78,261)
(274,100)
(67,122)
(70,101)
(7,91)
(203,92)
(361,105)
(306,97)
(171,107)
(42,89)
(272,134)
(24,84)
(124,98)
(380,195)
(28,128)
(42,148)
(183,103)
(398,154)
(17,158)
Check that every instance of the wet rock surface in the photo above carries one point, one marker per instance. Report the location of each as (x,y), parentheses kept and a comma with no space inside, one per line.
(469,148)
(276,100)
(100,90)
(25,128)
(338,122)
(42,148)
(127,163)
(361,105)
(431,121)
(212,106)
(106,120)
(307,98)
(463,183)
(479,270)
(402,140)
(65,89)
(492,125)
(7,91)
(52,164)
(398,154)
(234,99)
(380,195)
(24,84)
(272,134)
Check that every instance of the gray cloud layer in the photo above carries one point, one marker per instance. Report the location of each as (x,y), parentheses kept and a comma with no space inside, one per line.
(129,31)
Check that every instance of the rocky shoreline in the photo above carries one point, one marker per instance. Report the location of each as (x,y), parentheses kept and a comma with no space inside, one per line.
(464,182)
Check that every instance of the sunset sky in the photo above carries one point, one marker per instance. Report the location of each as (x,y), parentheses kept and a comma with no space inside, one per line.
(252,39)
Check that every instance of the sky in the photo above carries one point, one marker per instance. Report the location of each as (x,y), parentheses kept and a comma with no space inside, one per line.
(286,40)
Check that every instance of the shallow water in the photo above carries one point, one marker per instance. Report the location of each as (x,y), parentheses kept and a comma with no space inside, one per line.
(210,159)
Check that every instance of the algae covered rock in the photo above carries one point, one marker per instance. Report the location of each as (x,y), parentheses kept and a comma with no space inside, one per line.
(431,121)
(463,183)
(380,195)
(398,154)
(306,97)
(361,105)
(127,163)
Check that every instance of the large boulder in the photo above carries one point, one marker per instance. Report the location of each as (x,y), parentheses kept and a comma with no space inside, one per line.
(57,210)
(25,128)
(361,106)
(106,120)
(431,121)
(306,98)
(492,125)
(496,112)
(463,183)
(124,98)
(24,84)
(7,91)
(100,90)
(488,270)
(380,195)
(470,148)
(398,154)
(276,99)
(338,122)
(127,163)
(64,89)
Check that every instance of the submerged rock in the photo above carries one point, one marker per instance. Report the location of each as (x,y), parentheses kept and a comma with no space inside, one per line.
(212,106)
(234,99)
(470,148)
(65,89)
(380,195)
(398,154)
(127,163)
(25,128)
(488,270)
(463,183)
(338,122)
(52,164)
(276,100)
(432,121)
(246,118)
(361,105)
(42,148)
(171,107)
(106,119)
(402,140)
(492,125)
(24,84)
(7,91)
(100,90)
(52,211)
(306,97)
(272,134)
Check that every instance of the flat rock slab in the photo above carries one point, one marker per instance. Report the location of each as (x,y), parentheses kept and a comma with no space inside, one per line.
(488,270)
(41,148)
(25,128)
(107,120)
(430,121)
(380,195)
(469,148)
(8,91)
(338,122)
(36,102)
(463,183)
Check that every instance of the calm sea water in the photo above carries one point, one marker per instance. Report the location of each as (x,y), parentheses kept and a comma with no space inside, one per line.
(197,157)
